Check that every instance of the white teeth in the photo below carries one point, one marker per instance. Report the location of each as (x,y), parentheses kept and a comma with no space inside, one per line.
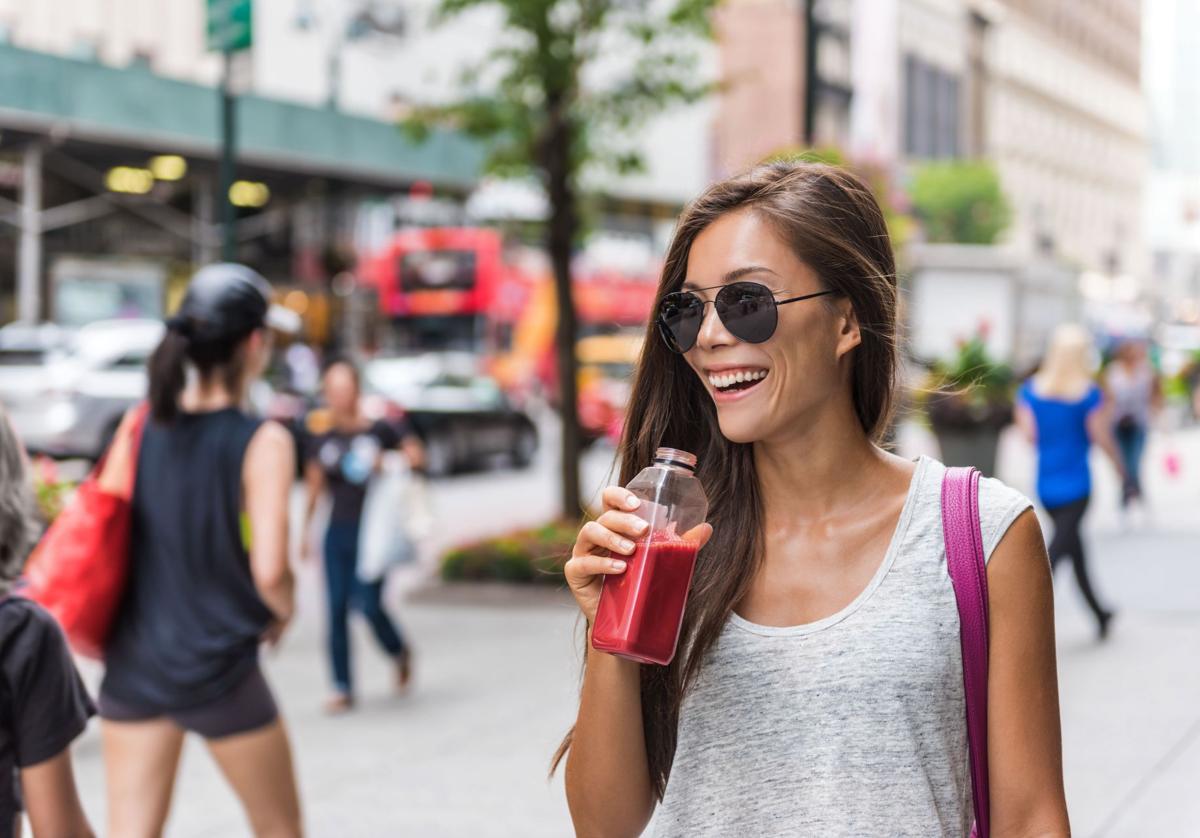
(722,382)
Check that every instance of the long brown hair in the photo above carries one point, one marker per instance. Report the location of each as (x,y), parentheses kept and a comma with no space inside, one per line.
(834,224)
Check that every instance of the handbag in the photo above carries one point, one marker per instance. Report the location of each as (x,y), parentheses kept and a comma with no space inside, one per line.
(395,521)
(968,574)
(78,570)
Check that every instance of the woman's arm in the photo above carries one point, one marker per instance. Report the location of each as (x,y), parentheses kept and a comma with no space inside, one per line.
(314,485)
(267,476)
(1025,421)
(1024,737)
(607,774)
(414,450)
(51,800)
(1158,398)
(1099,431)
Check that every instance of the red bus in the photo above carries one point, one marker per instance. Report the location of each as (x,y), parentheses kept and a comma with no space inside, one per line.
(458,288)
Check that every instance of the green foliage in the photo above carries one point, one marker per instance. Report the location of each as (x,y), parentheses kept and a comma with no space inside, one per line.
(526,556)
(50,493)
(973,366)
(959,202)
(829,155)
(891,200)
(535,93)
(971,389)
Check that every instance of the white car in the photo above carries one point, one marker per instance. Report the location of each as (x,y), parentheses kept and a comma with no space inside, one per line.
(70,403)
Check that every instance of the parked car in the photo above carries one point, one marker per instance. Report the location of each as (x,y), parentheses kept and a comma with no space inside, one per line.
(27,346)
(462,417)
(68,400)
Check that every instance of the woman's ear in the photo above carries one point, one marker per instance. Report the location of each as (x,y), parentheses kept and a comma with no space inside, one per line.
(849,332)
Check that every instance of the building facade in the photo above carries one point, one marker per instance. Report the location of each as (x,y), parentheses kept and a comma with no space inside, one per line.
(371,58)
(1066,126)
(1172,206)
(1048,90)
(786,79)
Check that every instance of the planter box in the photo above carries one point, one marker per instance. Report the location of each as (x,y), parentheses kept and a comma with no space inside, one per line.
(970,447)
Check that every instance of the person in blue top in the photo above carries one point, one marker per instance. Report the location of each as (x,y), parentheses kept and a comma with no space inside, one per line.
(1063,411)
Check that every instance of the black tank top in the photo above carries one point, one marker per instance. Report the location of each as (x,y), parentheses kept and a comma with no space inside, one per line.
(189,625)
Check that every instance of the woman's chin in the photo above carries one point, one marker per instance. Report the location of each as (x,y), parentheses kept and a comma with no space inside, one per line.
(741,430)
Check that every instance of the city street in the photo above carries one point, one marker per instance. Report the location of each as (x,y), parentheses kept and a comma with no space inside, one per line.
(466,753)
(322,210)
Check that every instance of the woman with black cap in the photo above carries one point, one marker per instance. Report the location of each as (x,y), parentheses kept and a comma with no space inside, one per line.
(209,577)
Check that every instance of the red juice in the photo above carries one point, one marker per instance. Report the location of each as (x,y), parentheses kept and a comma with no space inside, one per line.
(641,610)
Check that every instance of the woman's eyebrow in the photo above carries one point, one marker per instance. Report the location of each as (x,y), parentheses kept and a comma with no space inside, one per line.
(732,276)
(738,273)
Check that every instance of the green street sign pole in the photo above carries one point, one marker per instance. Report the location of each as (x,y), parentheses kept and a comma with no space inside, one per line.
(227,170)
(229,30)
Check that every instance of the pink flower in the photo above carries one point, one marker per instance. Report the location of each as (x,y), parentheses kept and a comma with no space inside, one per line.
(47,469)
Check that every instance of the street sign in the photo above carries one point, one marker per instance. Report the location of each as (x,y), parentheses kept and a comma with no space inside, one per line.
(229,25)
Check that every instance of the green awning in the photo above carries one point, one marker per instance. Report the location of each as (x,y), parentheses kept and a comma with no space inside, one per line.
(131,107)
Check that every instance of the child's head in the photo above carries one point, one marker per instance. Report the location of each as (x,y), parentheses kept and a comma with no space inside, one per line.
(16,506)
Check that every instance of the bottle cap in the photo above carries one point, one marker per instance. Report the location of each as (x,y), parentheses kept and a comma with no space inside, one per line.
(675,457)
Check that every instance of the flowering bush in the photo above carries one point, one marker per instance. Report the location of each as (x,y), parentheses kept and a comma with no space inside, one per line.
(971,390)
(526,556)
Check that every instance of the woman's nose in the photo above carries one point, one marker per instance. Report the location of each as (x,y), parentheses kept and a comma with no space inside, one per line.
(712,331)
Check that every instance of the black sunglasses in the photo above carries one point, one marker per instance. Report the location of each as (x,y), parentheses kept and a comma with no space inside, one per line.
(749,311)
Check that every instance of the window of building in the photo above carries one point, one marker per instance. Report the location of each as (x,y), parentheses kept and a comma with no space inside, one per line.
(932,110)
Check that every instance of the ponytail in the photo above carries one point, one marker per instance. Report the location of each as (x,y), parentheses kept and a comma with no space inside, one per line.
(167,376)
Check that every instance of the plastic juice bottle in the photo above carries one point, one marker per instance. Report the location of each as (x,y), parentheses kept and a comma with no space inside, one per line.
(641,610)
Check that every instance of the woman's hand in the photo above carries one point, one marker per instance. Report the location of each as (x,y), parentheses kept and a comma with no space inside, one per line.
(602,544)
(274,633)
(308,548)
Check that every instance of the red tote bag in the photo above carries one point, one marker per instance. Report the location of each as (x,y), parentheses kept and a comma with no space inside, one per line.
(77,571)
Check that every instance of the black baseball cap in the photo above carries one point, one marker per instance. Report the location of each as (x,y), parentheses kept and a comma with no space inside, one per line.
(227,300)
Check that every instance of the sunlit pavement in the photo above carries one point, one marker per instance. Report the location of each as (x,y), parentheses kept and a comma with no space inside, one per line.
(466,753)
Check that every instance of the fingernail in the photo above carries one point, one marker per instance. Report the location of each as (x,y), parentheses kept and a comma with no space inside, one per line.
(642,526)
(626,544)
(632,502)
(617,564)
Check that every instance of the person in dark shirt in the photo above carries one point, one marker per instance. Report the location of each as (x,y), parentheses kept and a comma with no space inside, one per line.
(209,579)
(341,461)
(43,703)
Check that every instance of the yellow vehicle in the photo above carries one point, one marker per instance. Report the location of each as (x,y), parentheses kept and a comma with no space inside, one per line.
(606,364)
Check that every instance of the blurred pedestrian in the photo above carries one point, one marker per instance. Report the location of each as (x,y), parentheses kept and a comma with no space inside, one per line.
(342,461)
(1135,389)
(43,703)
(817,687)
(209,579)
(1063,412)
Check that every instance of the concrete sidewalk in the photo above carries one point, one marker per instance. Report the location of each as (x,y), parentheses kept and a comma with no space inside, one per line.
(1131,706)
(466,754)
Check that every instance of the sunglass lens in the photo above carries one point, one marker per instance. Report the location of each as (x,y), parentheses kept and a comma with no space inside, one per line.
(679,318)
(748,311)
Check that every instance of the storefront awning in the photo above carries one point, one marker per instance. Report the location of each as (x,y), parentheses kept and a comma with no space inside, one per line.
(133,108)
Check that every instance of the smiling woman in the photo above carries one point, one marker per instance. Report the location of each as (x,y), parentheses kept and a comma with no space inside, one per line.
(818,685)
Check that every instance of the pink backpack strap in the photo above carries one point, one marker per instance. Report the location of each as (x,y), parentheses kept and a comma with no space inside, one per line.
(968,574)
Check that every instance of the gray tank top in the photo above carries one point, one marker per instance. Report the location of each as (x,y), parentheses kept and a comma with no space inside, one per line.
(853,725)
(1131,392)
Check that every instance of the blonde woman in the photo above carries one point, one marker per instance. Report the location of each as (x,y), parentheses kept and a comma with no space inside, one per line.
(1063,411)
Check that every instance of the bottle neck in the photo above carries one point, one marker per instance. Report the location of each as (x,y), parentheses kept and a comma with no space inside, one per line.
(670,465)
